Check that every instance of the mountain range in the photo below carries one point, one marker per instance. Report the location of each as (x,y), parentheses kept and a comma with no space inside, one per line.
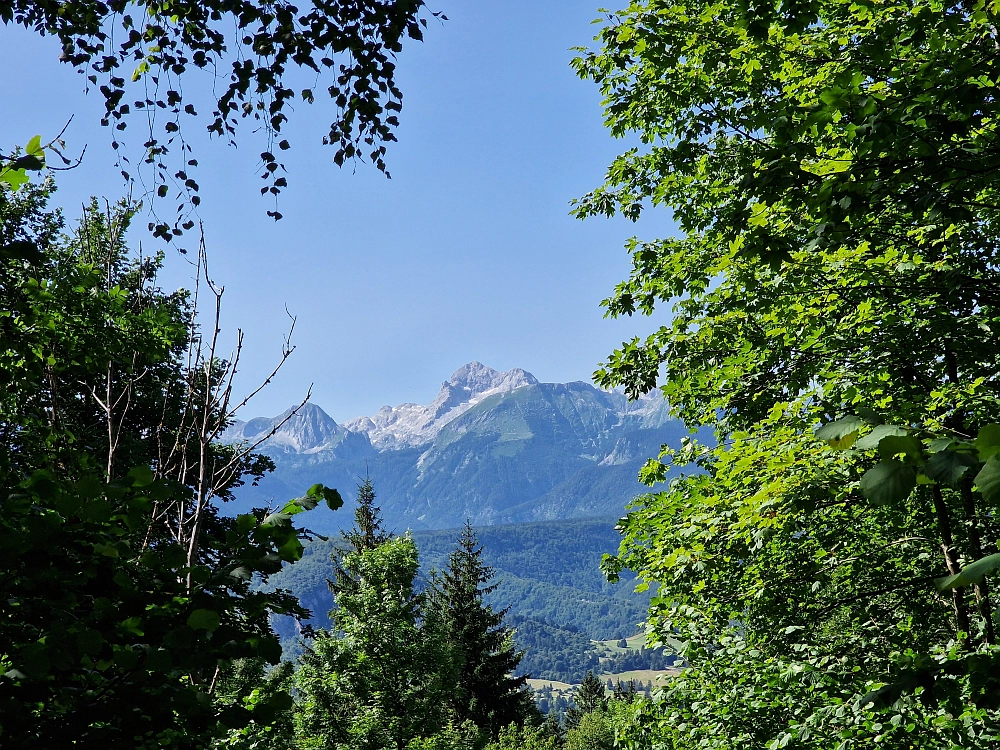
(493,447)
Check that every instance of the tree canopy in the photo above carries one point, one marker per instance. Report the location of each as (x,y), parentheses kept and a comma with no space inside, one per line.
(139,56)
(375,681)
(832,169)
(123,585)
(486,692)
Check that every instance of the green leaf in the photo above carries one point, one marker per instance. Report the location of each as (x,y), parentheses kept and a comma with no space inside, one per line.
(988,479)
(268,648)
(159,660)
(204,619)
(21,250)
(939,444)
(126,658)
(836,161)
(970,574)
(947,467)
(893,445)
(888,482)
(235,717)
(241,573)
(291,549)
(842,433)
(268,709)
(831,96)
(869,415)
(13,178)
(278,518)
(34,147)
(294,507)
(131,625)
(873,438)
(988,442)
(141,476)
(28,163)
(328,494)
(245,523)
(89,642)
(179,638)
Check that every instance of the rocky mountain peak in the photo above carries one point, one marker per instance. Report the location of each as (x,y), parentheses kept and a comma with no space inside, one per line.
(410,425)
(477,378)
(391,427)
(306,431)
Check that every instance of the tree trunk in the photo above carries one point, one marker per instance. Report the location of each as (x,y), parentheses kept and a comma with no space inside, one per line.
(976,550)
(950,560)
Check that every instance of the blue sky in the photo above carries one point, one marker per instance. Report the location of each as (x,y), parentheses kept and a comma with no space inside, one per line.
(467,253)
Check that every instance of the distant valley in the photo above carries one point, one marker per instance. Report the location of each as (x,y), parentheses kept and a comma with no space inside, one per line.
(567,617)
(493,447)
(541,469)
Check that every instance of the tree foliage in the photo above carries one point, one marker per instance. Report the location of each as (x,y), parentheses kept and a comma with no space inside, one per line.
(125,592)
(375,681)
(522,738)
(832,169)
(590,697)
(366,535)
(486,693)
(139,56)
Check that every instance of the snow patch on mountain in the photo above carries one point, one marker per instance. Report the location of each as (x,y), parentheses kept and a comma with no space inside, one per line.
(411,425)
(311,430)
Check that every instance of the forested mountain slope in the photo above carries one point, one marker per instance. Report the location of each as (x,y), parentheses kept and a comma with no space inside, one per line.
(548,578)
(546,571)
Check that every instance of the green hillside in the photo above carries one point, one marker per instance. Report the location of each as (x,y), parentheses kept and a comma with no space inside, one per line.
(548,579)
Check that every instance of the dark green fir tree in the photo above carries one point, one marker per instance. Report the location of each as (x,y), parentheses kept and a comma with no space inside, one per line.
(590,696)
(553,727)
(485,656)
(366,535)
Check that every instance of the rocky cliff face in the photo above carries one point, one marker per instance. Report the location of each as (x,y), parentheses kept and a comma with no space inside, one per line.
(410,425)
(494,447)
(309,430)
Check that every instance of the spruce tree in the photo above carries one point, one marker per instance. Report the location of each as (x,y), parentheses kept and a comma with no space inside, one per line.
(589,697)
(485,657)
(376,680)
(366,535)
(552,728)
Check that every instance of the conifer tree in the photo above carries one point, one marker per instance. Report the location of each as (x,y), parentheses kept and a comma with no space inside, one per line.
(625,692)
(366,535)
(553,728)
(589,697)
(376,681)
(487,693)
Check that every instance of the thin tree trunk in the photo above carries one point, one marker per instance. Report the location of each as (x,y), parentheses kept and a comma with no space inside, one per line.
(976,550)
(947,547)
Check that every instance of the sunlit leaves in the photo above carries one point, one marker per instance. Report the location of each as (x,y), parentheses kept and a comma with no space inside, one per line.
(832,172)
(329,495)
(111,625)
(970,574)
(842,433)
(204,619)
(14,169)
(987,443)
(873,438)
